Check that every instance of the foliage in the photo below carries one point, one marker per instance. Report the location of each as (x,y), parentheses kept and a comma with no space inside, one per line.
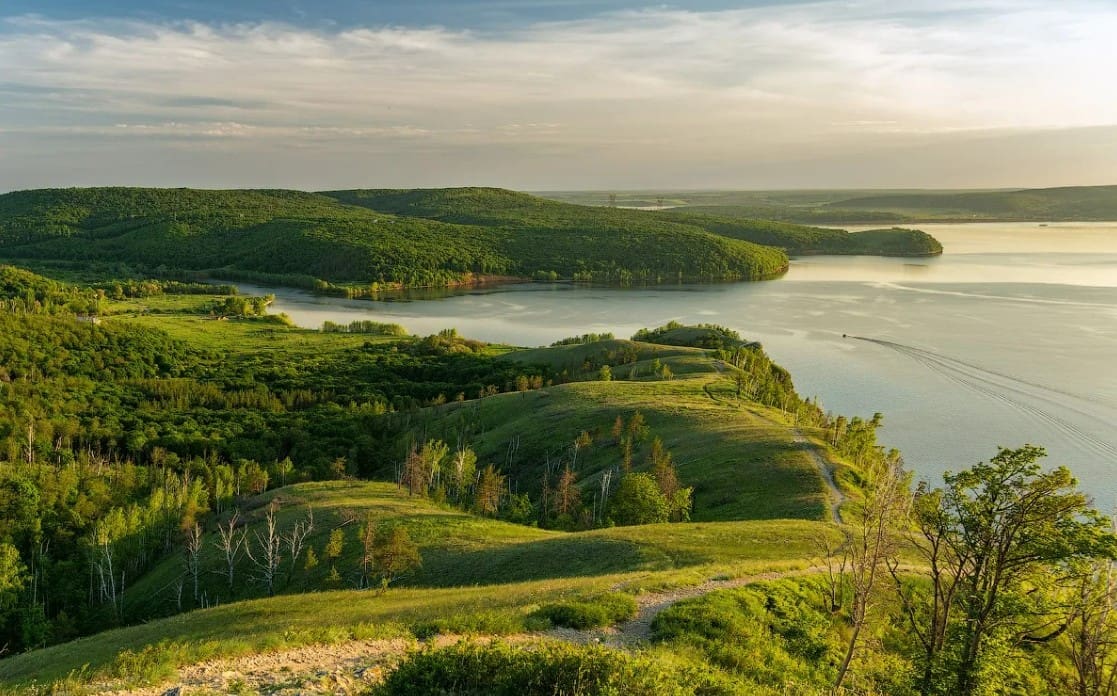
(992,536)
(710,336)
(360,242)
(597,612)
(365,327)
(584,339)
(797,239)
(543,670)
(638,500)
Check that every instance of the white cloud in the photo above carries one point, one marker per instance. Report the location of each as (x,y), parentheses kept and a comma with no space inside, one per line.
(770,84)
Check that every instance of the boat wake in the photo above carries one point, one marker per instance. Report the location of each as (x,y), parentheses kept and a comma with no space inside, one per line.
(1017,393)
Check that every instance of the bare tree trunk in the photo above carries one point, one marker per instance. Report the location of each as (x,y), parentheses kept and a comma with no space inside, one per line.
(266,557)
(193,550)
(232,542)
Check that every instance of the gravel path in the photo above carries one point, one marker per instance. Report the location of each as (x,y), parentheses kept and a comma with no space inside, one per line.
(346,669)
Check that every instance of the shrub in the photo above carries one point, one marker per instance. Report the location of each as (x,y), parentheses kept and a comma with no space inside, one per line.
(600,611)
(544,670)
(638,500)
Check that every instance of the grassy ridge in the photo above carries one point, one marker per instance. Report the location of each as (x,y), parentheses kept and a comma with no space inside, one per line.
(458,549)
(741,457)
(305,235)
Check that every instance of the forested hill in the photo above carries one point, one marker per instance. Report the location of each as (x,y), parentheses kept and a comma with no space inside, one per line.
(803,239)
(498,207)
(319,237)
(375,240)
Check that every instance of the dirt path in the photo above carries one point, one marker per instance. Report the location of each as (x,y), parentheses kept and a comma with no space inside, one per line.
(344,668)
(835,495)
(649,605)
(351,668)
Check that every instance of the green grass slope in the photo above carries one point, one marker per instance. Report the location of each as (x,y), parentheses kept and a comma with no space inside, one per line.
(510,587)
(306,236)
(1066,203)
(742,458)
(458,549)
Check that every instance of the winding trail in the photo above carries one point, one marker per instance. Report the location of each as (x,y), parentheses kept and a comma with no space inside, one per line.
(354,666)
(835,494)
(651,604)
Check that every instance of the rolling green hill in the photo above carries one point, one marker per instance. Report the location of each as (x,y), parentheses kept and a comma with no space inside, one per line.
(301,237)
(458,548)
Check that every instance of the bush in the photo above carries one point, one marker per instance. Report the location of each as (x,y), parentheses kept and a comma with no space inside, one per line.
(600,611)
(638,500)
(543,670)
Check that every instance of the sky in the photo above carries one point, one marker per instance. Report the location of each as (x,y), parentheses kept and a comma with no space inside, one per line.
(558,94)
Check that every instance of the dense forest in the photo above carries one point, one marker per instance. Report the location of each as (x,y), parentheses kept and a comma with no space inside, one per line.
(288,233)
(361,242)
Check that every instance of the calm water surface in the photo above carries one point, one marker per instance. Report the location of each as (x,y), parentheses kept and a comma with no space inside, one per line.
(1009,337)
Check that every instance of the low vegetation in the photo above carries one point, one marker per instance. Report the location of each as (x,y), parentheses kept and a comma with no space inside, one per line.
(543,670)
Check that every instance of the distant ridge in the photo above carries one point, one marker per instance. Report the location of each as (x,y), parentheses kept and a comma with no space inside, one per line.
(874,207)
(1063,203)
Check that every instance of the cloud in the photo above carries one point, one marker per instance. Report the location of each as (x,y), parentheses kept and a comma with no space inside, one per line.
(772,84)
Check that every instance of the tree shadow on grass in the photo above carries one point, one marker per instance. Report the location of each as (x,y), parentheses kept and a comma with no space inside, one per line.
(576,555)
(769,479)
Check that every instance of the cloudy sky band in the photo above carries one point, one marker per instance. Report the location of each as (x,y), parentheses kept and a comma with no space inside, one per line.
(820,93)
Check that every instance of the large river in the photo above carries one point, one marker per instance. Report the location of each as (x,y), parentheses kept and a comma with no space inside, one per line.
(1010,337)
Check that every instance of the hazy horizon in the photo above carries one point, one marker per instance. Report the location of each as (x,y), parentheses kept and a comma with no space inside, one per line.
(560,95)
